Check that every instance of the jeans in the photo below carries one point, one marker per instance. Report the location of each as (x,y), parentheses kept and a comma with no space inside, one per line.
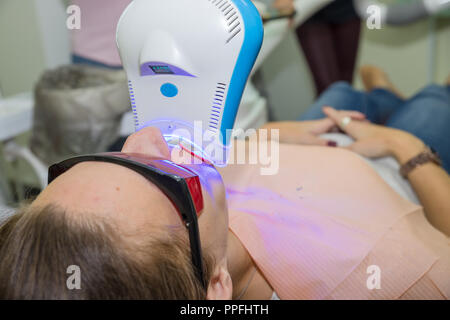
(426,115)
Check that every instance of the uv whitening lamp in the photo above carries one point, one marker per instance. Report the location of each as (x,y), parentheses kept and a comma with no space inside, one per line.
(187,63)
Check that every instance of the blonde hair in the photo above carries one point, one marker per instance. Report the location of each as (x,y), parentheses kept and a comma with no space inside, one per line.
(38,245)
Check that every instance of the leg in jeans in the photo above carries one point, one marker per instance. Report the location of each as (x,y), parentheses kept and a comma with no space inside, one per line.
(377,105)
(427,116)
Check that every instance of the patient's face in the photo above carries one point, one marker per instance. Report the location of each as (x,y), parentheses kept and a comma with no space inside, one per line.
(135,205)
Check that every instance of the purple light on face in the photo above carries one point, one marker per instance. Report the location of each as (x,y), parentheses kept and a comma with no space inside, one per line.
(161,68)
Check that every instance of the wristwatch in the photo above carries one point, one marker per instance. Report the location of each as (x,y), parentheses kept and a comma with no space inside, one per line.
(429,155)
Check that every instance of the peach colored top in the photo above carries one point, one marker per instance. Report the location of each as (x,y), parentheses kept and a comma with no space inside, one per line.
(314,228)
(96,40)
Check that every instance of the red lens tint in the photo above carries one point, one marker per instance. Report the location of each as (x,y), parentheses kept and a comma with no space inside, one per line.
(196,193)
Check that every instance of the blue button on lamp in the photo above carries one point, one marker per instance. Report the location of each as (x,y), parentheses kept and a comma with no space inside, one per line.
(169,90)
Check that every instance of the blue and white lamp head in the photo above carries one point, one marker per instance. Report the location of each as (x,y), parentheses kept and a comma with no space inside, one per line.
(187,64)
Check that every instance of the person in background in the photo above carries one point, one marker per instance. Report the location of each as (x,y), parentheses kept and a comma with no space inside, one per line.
(330,41)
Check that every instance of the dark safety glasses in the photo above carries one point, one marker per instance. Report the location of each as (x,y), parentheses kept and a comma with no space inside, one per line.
(178,183)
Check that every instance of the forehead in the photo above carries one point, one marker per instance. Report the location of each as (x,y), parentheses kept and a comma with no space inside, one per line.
(113,192)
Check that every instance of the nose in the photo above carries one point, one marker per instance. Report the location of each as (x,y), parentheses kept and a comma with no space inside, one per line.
(148,141)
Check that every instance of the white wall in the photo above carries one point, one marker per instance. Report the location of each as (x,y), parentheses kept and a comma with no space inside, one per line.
(21,49)
(33,37)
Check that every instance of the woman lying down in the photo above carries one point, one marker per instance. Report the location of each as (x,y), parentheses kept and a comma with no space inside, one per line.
(326,226)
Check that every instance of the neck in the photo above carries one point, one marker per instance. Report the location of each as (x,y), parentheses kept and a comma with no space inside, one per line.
(240,265)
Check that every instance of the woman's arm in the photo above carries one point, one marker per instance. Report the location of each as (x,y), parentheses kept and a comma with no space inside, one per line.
(431,182)
(304,132)
(308,132)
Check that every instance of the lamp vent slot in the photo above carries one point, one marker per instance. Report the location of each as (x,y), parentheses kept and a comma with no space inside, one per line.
(217,107)
(133,104)
(231,15)
(235,33)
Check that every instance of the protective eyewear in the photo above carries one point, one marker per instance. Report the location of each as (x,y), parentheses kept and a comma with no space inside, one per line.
(180,184)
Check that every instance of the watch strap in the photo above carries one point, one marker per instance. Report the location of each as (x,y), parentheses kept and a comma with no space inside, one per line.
(422,158)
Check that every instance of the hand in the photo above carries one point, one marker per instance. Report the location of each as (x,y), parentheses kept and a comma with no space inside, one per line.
(284,5)
(374,141)
(308,132)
